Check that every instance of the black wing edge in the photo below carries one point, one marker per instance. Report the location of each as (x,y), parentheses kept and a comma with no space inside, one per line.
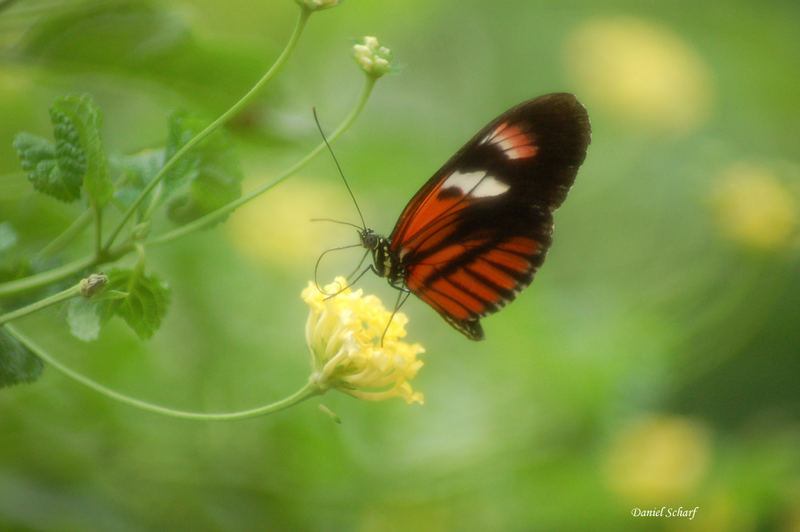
(565,136)
(470,328)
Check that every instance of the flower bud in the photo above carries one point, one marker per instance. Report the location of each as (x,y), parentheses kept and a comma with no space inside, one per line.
(374,59)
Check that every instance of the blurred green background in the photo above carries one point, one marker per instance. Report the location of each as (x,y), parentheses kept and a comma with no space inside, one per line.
(654,361)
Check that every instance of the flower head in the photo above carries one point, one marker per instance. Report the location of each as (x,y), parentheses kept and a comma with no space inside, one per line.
(374,59)
(344,336)
(316,5)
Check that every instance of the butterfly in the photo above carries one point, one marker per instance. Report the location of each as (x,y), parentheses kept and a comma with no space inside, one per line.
(474,235)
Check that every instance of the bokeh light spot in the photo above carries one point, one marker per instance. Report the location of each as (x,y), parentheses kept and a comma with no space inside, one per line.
(641,72)
(753,207)
(658,459)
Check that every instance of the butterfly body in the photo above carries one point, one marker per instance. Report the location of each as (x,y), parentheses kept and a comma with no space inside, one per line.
(474,235)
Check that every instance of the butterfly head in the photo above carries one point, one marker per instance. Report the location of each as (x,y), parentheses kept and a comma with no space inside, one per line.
(370,239)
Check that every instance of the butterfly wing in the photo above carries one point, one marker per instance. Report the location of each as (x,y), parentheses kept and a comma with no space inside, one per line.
(474,235)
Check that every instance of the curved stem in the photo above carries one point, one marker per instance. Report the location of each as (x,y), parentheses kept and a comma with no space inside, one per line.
(306,392)
(224,211)
(216,124)
(18,286)
(41,304)
(50,276)
(98,229)
(76,228)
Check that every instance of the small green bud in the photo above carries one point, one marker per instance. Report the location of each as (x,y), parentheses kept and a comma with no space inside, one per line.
(374,59)
(317,5)
(93,284)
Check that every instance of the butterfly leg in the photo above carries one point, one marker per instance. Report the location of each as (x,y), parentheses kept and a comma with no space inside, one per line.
(402,295)
(366,252)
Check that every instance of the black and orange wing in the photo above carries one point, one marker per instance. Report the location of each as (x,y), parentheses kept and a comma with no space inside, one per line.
(474,235)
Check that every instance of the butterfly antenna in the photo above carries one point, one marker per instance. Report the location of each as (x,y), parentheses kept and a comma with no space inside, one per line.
(338,167)
(335,221)
(319,259)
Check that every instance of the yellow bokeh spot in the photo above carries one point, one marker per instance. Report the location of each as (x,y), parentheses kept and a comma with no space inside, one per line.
(754,208)
(639,71)
(275,228)
(658,460)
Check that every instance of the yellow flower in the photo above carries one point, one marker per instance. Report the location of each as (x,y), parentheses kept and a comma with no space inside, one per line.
(640,71)
(344,337)
(374,59)
(754,208)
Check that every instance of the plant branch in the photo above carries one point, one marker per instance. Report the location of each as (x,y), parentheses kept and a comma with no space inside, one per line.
(17,286)
(98,230)
(80,223)
(25,284)
(306,392)
(41,304)
(225,210)
(221,120)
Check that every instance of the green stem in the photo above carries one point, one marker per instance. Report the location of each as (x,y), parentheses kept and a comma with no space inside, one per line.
(98,230)
(42,303)
(50,276)
(306,392)
(224,211)
(222,119)
(66,271)
(69,233)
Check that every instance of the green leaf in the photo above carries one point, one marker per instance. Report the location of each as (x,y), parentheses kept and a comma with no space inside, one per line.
(76,129)
(17,363)
(76,159)
(133,173)
(38,158)
(83,319)
(8,237)
(209,176)
(144,305)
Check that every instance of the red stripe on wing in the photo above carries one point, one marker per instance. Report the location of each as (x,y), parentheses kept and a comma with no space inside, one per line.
(522,245)
(493,273)
(476,286)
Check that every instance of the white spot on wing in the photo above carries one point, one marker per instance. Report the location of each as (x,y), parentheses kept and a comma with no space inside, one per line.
(476,184)
(463,181)
(489,187)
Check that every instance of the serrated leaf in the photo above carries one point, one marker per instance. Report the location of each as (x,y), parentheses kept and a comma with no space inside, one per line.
(143,307)
(17,363)
(209,175)
(76,129)
(83,319)
(38,157)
